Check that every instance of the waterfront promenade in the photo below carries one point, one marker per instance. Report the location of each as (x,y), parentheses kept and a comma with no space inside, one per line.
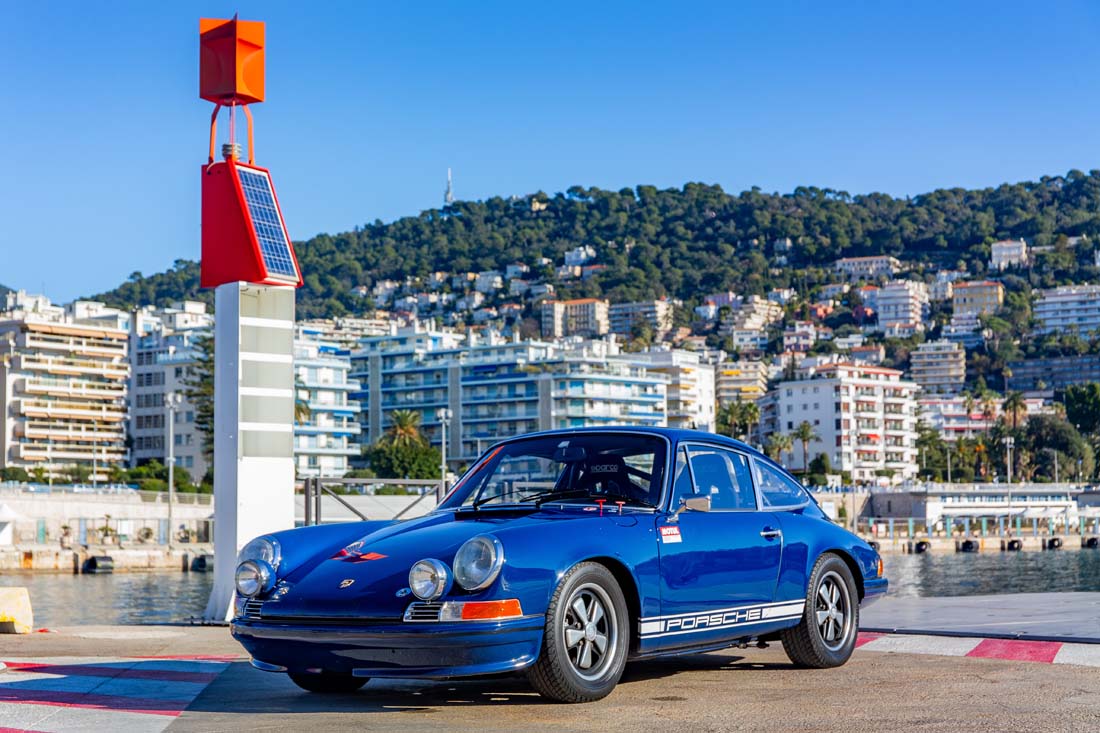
(195,679)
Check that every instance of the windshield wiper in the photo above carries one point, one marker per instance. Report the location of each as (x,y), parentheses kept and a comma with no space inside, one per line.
(548,496)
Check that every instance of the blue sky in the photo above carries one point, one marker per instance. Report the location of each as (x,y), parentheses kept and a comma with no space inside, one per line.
(368,103)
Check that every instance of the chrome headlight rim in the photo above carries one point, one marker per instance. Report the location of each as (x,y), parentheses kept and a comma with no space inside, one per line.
(439,571)
(264,548)
(263,576)
(494,544)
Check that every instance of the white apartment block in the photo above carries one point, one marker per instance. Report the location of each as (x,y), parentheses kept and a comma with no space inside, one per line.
(585,317)
(656,313)
(1008,253)
(961,416)
(799,336)
(325,434)
(163,354)
(865,419)
(902,307)
(497,388)
(690,390)
(580,255)
(868,268)
(939,367)
(1073,308)
(977,298)
(63,388)
(740,381)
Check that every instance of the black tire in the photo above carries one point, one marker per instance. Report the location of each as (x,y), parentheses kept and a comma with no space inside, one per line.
(826,635)
(571,666)
(327,683)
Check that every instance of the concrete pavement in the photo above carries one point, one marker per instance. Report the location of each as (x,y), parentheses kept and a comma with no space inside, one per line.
(194,679)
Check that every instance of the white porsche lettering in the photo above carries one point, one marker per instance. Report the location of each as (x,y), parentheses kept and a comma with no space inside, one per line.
(725,619)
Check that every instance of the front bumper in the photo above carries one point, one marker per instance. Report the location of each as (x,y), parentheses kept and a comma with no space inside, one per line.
(873,590)
(430,651)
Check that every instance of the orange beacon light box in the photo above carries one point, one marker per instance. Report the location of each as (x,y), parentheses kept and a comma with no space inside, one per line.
(231,61)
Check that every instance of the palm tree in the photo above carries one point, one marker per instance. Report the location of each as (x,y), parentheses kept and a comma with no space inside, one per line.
(302,413)
(405,427)
(805,435)
(1014,407)
(968,403)
(750,413)
(776,445)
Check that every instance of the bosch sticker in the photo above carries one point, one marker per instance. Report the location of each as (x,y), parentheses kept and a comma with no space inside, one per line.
(670,535)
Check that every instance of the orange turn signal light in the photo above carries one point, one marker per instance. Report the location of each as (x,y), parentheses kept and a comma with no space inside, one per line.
(880,567)
(484,610)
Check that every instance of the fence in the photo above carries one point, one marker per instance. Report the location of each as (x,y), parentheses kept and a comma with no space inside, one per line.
(423,494)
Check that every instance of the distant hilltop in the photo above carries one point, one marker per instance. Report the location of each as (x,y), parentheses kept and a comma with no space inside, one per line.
(677,243)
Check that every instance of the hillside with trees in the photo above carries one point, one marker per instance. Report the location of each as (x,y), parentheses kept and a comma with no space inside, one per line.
(686,242)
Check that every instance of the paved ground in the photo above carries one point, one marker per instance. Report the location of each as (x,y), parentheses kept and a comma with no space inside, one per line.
(1055,616)
(192,679)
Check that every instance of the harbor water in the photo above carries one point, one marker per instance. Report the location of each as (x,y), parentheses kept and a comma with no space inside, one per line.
(173,597)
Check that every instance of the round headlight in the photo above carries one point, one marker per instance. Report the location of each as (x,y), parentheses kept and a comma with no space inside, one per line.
(253,577)
(265,549)
(478,562)
(428,579)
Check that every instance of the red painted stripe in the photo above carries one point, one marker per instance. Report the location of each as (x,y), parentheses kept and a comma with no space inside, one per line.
(116,703)
(91,670)
(866,637)
(1018,651)
(196,657)
(19,730)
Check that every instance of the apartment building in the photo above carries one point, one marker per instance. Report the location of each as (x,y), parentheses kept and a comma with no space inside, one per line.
(800,336)
(978,298)
(326,422)
(497,388)
(164,349)
(868,268)
(864,417)
(902,307)
(939,367)
(1059,372)
(1074,308)
(63,390)
(657,314)
(585,317)
(1008,253)
(740,381)
(690,389)
(964,416)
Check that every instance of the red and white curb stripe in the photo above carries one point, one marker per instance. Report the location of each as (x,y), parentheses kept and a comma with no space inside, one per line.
(101,693)
(1015,650)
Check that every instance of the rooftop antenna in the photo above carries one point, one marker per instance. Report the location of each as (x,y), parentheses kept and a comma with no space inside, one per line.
(449,196)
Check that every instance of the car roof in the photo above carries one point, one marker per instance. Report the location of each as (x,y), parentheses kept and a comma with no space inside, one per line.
(674,435)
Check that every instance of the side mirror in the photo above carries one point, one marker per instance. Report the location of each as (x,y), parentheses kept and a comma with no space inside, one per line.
(694,503)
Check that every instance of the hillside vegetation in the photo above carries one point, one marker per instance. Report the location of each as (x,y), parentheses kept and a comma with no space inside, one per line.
(685,242)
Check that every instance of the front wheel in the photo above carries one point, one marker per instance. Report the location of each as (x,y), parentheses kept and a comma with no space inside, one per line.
(826,636)
(585,642)
(327,683)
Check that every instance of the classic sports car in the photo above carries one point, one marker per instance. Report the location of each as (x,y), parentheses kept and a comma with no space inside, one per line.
(565,554)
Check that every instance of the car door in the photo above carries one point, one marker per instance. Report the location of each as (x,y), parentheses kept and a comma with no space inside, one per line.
(719,568)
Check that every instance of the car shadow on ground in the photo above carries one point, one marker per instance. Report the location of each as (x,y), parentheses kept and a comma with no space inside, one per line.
(276,694)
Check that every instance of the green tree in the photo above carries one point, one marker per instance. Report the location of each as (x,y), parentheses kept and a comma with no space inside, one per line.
(1015,409)
(14,473)
(1083,406)
(199,388)
(404,460)
(404,428)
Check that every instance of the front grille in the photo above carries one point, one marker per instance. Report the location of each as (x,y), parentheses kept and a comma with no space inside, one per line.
(252,608)
(423,611)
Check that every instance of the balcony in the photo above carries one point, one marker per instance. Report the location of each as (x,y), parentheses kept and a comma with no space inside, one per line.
(55,410)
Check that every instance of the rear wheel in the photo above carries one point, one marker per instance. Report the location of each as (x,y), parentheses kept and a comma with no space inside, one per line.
(327,683)
(826,636)
(585,642)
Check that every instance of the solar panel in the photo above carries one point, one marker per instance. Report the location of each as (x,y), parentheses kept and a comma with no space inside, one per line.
(274,245)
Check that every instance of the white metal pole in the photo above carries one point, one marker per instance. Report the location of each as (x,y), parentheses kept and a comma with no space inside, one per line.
(170,399)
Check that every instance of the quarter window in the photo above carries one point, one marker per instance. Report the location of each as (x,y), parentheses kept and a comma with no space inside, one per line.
(724,476)
(778,490)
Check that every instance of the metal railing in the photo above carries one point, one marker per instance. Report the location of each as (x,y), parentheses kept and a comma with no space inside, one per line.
(314,489)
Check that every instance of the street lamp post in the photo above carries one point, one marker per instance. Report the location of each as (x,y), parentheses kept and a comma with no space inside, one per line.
(444,416)
(171,402)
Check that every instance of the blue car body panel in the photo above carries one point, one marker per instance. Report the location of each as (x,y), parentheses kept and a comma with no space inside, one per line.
(719,578)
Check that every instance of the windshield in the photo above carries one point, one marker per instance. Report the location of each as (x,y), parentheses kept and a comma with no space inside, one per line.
(612,466)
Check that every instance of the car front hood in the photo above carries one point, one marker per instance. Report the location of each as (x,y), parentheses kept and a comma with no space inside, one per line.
(369,578)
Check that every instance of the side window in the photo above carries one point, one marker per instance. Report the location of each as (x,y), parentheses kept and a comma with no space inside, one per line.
(778,490)
(724,476)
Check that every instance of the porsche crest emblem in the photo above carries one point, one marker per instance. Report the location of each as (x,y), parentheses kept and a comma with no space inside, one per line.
(346,582)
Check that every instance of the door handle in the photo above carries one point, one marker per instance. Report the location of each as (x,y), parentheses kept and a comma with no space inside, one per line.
(769,533)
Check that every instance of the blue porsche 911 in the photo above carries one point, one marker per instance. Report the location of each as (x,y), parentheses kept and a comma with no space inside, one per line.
(565,554)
